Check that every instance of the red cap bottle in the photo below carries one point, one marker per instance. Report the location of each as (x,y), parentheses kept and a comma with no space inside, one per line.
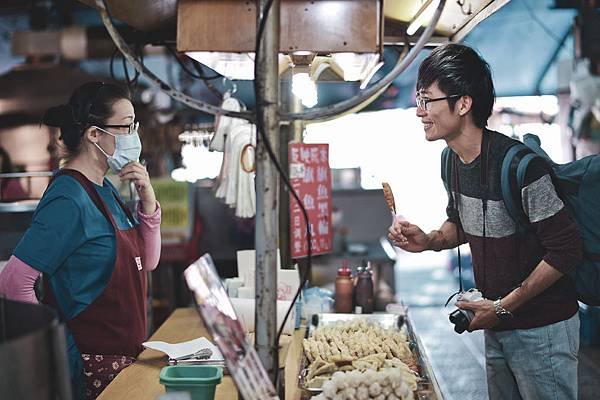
(344,289)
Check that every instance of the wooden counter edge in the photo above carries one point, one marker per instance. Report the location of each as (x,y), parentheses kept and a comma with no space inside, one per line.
(141,380)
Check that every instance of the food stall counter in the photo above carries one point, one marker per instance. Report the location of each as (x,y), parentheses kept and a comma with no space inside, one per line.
(141,379)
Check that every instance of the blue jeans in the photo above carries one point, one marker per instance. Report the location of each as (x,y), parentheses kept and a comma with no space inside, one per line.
(531,364)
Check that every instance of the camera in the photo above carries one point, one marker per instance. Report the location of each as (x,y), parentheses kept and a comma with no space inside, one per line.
(462,318)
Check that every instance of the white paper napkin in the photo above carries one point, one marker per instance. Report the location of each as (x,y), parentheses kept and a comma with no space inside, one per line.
(183,349)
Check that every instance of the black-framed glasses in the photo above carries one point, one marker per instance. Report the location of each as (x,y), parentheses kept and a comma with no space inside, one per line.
(422,102)
(131,128)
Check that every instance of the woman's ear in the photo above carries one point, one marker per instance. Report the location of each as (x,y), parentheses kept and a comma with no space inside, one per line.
(92,134)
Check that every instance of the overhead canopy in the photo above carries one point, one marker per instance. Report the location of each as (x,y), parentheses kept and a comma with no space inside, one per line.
(522,42)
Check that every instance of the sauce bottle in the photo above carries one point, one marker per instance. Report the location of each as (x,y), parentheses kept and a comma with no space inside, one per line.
(364,290)
(344,289)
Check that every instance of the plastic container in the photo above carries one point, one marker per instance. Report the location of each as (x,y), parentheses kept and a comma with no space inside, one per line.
(200,381)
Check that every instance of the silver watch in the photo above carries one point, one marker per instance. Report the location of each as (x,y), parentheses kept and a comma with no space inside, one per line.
(502,313)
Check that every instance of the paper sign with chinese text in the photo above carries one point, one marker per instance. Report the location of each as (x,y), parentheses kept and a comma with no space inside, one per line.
(311,179)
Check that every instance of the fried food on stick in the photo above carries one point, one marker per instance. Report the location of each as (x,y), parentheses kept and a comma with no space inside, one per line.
(389,197)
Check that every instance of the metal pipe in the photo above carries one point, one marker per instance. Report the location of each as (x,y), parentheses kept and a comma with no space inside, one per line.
(267,209)
(403,63)
(285,134)
(291,132)
(26,174)
(155,80)
(315,114)
(297,125)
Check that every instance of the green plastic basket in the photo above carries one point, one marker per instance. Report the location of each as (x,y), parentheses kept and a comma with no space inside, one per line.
(199,381)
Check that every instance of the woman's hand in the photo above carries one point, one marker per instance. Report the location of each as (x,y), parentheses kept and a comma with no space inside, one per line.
(408,237)
(136,172)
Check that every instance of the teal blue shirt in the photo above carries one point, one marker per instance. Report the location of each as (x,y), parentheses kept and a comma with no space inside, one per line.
(73,244)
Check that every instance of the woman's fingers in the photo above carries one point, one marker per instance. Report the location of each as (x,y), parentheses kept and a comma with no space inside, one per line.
(134,175)
(136,172)
(133,167)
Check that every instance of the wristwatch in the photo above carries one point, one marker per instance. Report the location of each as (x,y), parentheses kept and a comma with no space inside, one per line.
(502,313)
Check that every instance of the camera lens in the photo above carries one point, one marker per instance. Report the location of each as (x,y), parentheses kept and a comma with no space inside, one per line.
(460,321)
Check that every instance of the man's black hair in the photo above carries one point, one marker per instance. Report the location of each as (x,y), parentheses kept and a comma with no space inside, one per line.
(460,70)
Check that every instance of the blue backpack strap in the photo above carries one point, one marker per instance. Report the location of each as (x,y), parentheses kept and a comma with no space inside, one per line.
(522,168)
(514,210)
(533,142)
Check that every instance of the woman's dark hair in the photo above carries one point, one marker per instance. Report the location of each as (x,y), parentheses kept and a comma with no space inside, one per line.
(460,70)
(6,165)
(90,104)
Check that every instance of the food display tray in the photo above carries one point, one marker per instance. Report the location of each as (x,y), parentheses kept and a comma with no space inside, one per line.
(427,386)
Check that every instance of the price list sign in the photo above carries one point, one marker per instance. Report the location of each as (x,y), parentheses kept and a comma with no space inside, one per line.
(311,179)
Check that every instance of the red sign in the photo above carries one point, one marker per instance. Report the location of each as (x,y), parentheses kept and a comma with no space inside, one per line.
(311,179)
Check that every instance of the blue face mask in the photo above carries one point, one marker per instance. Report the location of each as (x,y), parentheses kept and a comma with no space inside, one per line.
(128,148)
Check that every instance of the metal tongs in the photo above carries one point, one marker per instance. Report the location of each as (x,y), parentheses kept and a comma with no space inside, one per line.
(202,354)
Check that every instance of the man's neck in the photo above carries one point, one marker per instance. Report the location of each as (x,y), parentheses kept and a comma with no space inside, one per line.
(467,144)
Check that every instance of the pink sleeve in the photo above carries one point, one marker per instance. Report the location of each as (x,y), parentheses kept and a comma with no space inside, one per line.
(150,231)
(17,280)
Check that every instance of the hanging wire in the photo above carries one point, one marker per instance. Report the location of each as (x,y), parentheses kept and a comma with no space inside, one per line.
(314,114)
(154,80)
(286,180)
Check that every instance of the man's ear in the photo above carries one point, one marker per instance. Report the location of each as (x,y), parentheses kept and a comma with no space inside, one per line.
(92,134)
(465,103)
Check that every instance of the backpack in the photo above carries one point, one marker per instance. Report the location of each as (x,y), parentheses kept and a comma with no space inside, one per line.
(577,184)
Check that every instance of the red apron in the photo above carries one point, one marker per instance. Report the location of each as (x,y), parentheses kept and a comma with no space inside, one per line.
(111,329)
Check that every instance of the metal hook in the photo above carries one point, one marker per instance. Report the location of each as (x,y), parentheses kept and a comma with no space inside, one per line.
(461,3)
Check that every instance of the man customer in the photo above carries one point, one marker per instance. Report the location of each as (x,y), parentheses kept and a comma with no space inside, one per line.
(529,312)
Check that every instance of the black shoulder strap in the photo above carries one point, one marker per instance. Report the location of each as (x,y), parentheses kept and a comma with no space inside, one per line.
(447,161)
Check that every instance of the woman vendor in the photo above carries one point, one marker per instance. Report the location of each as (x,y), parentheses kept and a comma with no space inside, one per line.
(92,251)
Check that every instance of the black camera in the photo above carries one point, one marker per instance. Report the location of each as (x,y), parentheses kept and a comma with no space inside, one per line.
(462,318)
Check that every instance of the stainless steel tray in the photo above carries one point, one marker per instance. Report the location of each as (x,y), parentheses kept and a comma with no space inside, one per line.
(427,387)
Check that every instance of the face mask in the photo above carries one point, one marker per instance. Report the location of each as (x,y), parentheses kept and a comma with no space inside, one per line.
(128,148)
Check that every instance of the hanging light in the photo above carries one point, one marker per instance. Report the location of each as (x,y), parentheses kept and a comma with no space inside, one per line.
(305,89)
(422,16)
(303,84)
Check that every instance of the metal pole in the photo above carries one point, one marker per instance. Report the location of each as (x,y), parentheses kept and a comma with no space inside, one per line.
(288,133)
(267,210)
(297,125)
(285,134)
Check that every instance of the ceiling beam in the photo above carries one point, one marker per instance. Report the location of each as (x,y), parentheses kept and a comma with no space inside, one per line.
(491,8)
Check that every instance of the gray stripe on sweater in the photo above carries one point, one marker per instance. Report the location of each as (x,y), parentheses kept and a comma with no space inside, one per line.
(540,200)
(498,223)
